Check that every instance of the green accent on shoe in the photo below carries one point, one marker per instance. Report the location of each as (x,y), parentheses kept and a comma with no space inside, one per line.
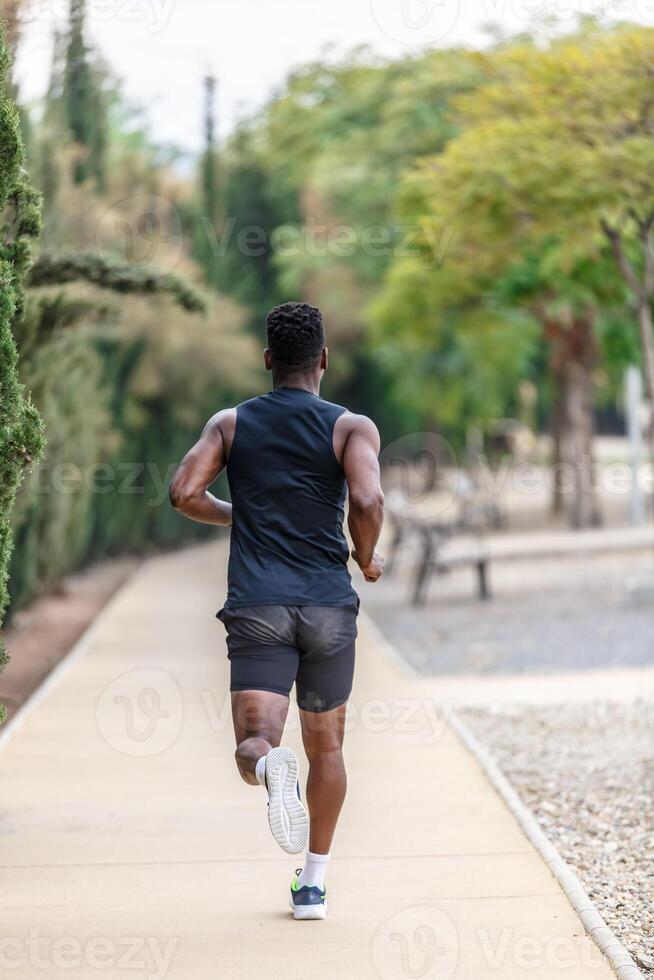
(295,884)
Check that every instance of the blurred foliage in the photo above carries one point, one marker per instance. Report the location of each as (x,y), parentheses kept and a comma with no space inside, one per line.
(315,175)
(555,146)
(124,355)
(242,252)
(108,273)
(464,220)
(473,184)
(21,431)
(456,363)
(124,393)
(52,518)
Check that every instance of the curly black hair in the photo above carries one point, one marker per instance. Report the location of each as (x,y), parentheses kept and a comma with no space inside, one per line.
(296,336)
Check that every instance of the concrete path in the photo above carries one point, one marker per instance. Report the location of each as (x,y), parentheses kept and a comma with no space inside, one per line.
(131,849)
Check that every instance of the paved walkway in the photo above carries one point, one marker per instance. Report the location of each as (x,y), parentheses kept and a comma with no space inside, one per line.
(130,848)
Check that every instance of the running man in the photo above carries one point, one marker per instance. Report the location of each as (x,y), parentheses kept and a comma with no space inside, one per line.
(291,611)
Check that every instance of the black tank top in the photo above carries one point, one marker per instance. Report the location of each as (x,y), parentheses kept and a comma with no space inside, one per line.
(288,494)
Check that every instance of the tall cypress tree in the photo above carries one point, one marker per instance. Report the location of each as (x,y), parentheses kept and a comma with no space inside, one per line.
(48,169)
(248,274)
(21,433)
(84,101)
(209,163)
(207,229)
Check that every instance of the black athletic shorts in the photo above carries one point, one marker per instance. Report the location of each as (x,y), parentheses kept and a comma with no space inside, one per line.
(271,647)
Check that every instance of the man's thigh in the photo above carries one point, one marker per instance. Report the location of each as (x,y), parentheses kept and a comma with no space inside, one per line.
(261,648)
(326,637)
(263,664)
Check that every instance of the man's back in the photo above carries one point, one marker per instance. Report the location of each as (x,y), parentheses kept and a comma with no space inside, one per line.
(288,492)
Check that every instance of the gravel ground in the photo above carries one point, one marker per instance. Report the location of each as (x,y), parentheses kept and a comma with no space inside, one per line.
(545,616)
(587,773)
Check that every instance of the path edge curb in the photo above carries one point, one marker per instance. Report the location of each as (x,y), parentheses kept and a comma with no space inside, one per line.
(61,668)
(604,938)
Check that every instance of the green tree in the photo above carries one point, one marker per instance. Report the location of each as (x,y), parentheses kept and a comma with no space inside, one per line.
(244,259)
(84,102)
(206,225)
(108,273)
(10,14)
(456,358)
(509,187)
(21,436)
(567,135)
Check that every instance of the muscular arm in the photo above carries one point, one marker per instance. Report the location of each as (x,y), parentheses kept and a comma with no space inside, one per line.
(366,499)
(202,464)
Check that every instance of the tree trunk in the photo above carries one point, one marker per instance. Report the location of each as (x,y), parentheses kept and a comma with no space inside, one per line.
(647,342)
(585,510)
(573,355)
(558,426)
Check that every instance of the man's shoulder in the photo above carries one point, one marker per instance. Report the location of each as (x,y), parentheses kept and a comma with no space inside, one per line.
(354,422)
(351,426)
(224,415)
(222,425)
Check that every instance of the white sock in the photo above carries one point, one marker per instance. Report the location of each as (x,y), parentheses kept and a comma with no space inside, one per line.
(260,770)
(313,872)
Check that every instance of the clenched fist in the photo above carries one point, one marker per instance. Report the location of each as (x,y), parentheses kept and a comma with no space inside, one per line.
(374,569)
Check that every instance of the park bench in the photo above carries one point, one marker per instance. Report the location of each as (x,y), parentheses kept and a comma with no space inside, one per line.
(444,546)
(444,542)
(433,556)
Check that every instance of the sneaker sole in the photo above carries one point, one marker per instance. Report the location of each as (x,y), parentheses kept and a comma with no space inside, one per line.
(306,912)
(287,817)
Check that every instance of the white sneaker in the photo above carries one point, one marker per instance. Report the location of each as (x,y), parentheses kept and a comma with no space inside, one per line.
(287,817)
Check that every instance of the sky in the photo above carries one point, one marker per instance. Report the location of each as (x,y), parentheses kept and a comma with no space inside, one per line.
(161,49)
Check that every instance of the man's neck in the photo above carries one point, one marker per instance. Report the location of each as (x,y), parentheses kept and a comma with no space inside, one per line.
(307,382)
